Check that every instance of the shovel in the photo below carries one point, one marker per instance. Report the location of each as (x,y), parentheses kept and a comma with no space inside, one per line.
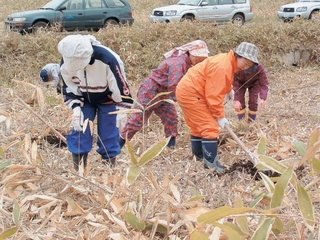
(251,156)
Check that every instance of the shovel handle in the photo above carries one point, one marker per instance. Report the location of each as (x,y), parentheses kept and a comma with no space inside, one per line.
(253,159)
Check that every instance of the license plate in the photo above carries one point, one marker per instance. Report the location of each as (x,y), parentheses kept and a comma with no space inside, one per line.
(286,15)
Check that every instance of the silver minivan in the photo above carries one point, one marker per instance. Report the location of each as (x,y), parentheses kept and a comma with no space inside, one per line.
(219,11)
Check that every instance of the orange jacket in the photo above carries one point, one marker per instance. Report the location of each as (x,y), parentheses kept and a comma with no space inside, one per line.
(211,79)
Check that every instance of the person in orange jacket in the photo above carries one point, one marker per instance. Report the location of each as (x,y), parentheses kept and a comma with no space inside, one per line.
(201,94)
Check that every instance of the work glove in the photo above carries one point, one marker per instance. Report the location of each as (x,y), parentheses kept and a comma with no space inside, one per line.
(229,96)
(222,122)
(261,104)
(77,119)
(237,106)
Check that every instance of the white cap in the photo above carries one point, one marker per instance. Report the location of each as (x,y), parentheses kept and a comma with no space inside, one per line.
(76,51)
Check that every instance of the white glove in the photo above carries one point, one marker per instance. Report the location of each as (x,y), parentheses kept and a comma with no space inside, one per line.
(77,119)
(222,122)
(229,96)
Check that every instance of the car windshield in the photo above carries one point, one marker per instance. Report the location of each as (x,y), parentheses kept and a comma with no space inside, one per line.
(52,5)
(308,0)
(189,2)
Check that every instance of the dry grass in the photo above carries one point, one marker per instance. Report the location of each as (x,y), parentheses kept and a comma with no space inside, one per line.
(55,203)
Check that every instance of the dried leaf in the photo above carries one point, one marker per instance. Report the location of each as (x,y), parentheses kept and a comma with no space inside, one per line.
(175,192)
(34,149)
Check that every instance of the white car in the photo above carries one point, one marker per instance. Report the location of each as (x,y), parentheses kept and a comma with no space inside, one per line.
(306,9)
(219,11)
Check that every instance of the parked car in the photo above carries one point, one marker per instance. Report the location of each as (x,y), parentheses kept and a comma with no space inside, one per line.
(71,15)
(219,11)
(306,9)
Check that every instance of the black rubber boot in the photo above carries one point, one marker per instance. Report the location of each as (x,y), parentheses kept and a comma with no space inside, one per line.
(77,158)
(210,157)
(172,143)
(111,161)
(121,142)
(196,147)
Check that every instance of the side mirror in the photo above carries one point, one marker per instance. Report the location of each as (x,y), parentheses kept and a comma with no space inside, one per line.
(204,3)
(62,8)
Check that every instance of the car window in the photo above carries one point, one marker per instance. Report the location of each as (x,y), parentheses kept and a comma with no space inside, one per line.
(114,3)
(223,2)
(212,2)
(189,2)
(95,4)
(240,1)
(73,5)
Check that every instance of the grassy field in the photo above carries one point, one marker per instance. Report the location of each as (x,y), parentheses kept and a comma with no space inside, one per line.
(42,198)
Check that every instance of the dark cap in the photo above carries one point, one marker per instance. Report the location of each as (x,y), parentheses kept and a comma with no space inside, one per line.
(44,75)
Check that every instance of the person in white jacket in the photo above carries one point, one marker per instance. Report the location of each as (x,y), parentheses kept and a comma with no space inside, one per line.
(94,84)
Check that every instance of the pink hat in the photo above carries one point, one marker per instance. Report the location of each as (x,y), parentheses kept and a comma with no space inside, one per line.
(197,48)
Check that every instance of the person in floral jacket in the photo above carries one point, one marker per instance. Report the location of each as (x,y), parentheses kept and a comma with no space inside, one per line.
(164,79)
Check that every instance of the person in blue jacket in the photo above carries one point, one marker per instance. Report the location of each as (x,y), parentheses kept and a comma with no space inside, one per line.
(94,84)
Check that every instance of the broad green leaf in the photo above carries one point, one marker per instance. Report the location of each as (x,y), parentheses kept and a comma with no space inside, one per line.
(198,235)
(267,182)
(196,198)
(234,227)
(133,173)
(194,191)
(131,154)
(277,226)
(314,137)
(301,147)
(4,164)
(278,194)
(242,221)
(16,213)
(8,233)
(311,151)
(263,230)
(232,234)
(262,146)
(152,152)
(215,214)
(134,221)
(2,153)
(305,205)
(160,228)
(316,165)
(272,164)
(257,200)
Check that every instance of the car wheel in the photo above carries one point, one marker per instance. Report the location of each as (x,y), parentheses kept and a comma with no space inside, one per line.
(187,18)
(111,22)
(315,15)
(238,19)
(40,26)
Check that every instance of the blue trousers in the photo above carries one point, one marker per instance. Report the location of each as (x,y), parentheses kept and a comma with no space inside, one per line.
(108,133)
